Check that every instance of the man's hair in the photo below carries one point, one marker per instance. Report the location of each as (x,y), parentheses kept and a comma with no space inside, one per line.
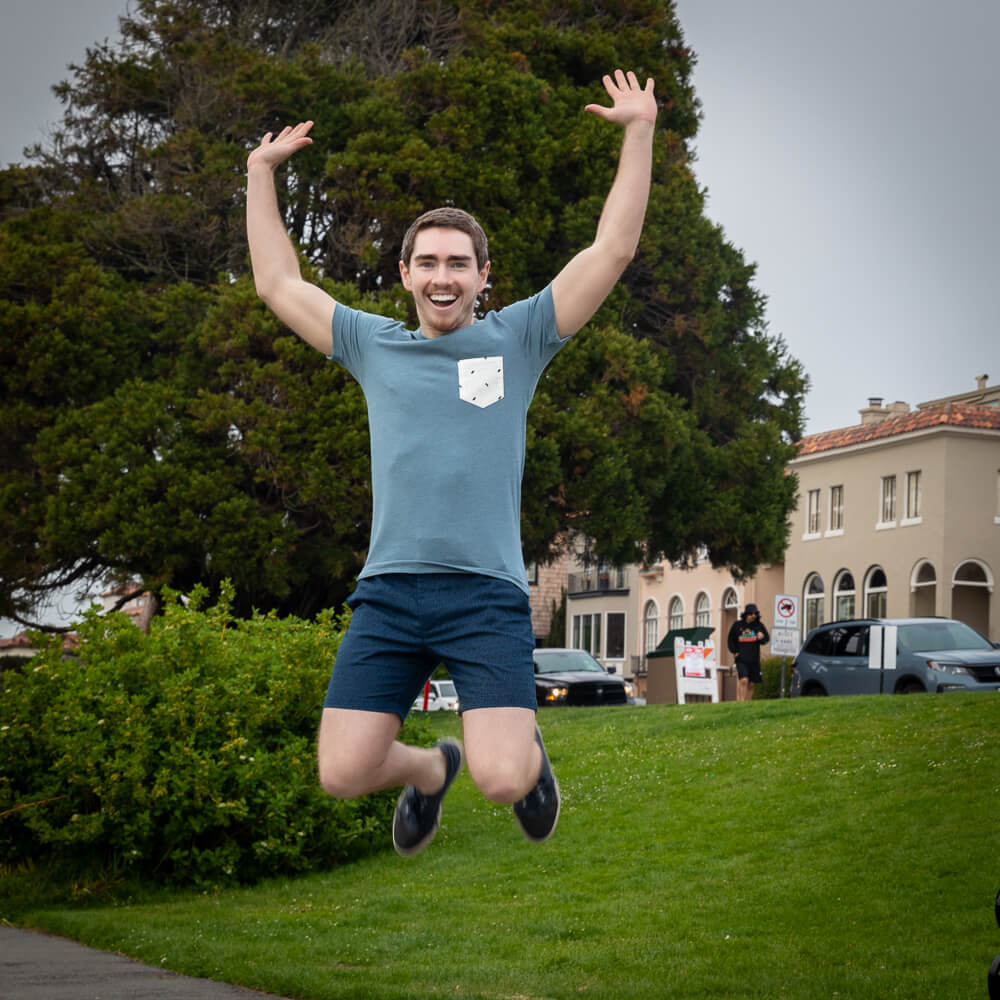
(447,218)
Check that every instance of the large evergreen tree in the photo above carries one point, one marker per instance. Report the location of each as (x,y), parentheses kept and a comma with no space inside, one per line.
(157,423)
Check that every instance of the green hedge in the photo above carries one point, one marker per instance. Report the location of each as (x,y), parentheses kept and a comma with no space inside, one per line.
(770,668)
(186,756)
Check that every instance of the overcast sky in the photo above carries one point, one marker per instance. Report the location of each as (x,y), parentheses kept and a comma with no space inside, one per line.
(850,149)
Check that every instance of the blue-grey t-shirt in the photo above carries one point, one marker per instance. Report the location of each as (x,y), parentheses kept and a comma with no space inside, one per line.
(447,418)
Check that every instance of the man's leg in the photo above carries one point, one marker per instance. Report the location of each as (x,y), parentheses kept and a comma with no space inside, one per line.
(741,689)
(504,759)
(359,753)
(508,762)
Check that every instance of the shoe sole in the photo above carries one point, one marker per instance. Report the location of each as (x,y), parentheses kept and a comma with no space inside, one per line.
(409,852)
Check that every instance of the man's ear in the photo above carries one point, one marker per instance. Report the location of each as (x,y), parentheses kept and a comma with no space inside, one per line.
(483,275)
(404,274)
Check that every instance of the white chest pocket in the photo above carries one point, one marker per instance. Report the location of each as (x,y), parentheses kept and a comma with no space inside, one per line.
(480,380)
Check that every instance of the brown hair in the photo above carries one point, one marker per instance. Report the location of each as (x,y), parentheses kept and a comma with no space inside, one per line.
(447,218)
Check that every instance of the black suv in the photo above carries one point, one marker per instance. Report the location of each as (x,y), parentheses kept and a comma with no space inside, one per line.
(932,654)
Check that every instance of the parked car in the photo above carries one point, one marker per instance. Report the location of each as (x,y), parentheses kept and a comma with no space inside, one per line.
(574,677)
(442,696)
(932,654)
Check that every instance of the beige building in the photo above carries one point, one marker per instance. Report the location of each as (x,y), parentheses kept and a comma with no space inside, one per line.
(900,514)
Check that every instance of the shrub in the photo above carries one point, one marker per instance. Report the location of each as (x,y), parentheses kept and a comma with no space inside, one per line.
(770,668)
(183,756)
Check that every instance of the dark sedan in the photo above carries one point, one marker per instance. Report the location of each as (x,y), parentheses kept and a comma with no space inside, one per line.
(574,677)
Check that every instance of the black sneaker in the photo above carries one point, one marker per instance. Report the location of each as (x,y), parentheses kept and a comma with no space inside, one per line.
(538,812)
(418,816)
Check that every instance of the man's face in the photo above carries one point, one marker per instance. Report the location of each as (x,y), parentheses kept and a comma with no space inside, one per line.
(444,280)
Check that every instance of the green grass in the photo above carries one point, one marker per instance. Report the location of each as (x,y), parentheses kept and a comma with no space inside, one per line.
(814,848)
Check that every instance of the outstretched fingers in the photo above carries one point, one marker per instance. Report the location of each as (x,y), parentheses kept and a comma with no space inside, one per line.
(274,149)
(630,100)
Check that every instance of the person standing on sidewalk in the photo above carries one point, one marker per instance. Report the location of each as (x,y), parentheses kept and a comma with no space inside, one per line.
(444,579)
(746,637)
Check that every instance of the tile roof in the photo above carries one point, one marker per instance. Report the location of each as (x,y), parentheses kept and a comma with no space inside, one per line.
(951,414)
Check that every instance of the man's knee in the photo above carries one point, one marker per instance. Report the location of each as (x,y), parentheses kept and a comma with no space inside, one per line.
(505,780)
(343,778)
(352,751)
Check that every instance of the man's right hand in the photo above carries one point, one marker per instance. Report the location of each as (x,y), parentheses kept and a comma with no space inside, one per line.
(273,151)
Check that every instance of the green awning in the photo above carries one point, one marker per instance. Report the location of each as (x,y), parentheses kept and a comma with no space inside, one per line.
(693,635)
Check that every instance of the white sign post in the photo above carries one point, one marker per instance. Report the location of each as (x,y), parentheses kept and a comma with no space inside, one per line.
(785,630)
(784,641)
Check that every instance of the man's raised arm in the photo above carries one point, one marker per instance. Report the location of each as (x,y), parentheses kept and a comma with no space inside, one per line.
(308,310)
(584,283)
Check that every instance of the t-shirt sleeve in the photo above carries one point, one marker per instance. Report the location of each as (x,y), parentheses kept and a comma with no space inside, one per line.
(535,317)
(351,331)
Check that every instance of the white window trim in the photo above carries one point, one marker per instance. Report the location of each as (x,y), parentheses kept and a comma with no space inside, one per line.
(908,522)
(885,525)
(833,533)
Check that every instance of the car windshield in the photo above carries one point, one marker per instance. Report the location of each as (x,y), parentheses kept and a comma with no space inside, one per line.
(555,661)
(923,636)
(446,689)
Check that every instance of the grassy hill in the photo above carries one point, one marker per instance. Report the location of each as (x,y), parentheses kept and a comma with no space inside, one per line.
(843,848)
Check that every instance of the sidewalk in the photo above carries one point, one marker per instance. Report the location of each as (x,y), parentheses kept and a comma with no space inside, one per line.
(36,966)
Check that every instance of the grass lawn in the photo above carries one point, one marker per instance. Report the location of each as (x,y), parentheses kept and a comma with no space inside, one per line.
(805,849)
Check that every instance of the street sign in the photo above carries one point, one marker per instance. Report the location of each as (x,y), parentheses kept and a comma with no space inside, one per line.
(786,612)
(784,641)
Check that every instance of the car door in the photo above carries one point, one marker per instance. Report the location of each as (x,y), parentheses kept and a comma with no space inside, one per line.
(849,662)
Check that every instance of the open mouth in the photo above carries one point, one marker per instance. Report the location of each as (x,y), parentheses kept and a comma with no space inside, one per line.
(442,300)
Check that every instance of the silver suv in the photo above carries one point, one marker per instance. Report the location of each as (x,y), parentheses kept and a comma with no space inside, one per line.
(932,654)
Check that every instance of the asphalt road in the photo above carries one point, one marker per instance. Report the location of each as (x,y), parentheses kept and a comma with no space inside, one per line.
(35,966)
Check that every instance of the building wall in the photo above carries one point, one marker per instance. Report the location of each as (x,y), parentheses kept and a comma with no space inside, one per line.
(545,587)
(596,593)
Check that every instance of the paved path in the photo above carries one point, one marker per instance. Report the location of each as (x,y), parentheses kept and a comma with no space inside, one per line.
(35,966)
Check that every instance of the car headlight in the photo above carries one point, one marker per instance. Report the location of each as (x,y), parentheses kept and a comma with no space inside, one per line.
(556,694)
(949,668)
(629,690)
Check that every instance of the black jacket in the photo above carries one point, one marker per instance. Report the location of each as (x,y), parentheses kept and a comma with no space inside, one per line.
(743,641)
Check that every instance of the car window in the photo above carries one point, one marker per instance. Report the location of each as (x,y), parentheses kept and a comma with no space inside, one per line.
(820,643)
(924,636)
(555,661)
(446,689)
(853,641)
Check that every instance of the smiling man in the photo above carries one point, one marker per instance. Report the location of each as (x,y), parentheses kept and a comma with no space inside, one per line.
(444,580)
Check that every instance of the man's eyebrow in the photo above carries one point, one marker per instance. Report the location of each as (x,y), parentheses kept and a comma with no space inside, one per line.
(451,256)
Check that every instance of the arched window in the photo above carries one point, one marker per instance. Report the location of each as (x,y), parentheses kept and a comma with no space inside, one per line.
(676,613)
(923,589)
(703,610)
(650,620)
(730,600)
(843,596)
(972,574)
(876,593)
(814,595)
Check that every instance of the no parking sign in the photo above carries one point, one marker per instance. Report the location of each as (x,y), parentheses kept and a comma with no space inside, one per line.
(785,630)
(786,611)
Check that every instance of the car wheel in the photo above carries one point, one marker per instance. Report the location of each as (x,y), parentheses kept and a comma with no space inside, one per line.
(814,691)
(910,687)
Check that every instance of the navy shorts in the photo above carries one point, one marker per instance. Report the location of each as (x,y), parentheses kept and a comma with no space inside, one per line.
(404,624)
(751,671)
